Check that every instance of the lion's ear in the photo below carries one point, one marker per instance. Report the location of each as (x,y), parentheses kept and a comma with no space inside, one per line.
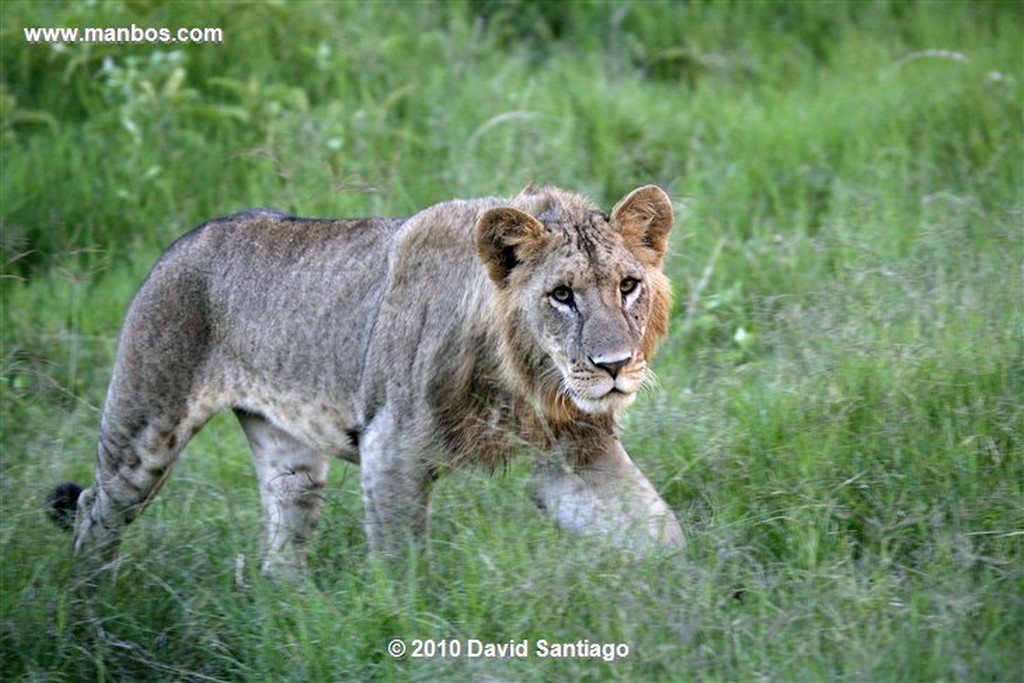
(644,218)
(505,237)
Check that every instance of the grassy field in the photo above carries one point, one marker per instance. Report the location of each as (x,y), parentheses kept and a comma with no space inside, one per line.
(840,419)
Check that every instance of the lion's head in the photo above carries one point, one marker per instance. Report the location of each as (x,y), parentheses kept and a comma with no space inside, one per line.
(581,299)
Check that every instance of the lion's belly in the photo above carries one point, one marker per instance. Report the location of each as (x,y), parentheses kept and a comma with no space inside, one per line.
(322,423)
(325,427)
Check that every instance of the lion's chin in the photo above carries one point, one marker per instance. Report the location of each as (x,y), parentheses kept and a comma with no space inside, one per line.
(610,402)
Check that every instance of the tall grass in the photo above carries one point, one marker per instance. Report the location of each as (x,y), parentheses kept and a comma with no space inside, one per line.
(840,418)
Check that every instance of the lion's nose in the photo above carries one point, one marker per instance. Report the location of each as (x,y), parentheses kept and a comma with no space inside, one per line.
(612,363)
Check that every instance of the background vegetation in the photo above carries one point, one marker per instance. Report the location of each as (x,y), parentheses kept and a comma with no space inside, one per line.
(839,424)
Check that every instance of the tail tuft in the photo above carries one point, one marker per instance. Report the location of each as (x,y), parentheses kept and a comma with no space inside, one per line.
(62,503)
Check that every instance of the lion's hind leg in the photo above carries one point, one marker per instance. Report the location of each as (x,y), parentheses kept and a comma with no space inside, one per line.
(292,479)
(160,395)
(134,459)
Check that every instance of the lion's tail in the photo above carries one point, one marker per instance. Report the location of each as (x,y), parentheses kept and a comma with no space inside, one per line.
(62,503)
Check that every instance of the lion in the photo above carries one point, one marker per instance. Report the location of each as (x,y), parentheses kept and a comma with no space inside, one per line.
(464,335)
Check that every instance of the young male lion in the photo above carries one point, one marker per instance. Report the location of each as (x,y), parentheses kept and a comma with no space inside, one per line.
(459,336)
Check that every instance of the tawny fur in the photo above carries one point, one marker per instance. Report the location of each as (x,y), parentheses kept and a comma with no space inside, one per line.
(463,335)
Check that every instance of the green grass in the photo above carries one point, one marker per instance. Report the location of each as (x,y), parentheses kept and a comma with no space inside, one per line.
(840,419)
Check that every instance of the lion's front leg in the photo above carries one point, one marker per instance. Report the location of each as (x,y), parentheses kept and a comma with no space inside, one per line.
(608,496)
(396,486)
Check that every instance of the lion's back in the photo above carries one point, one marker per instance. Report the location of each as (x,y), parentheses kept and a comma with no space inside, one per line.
(310,308)
(264,297)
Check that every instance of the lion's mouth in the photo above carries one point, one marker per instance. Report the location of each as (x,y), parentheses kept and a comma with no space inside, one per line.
(610,401)
(600,393)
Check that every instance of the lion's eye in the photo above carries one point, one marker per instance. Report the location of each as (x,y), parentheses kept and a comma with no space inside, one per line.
(562,295)
(629,285)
